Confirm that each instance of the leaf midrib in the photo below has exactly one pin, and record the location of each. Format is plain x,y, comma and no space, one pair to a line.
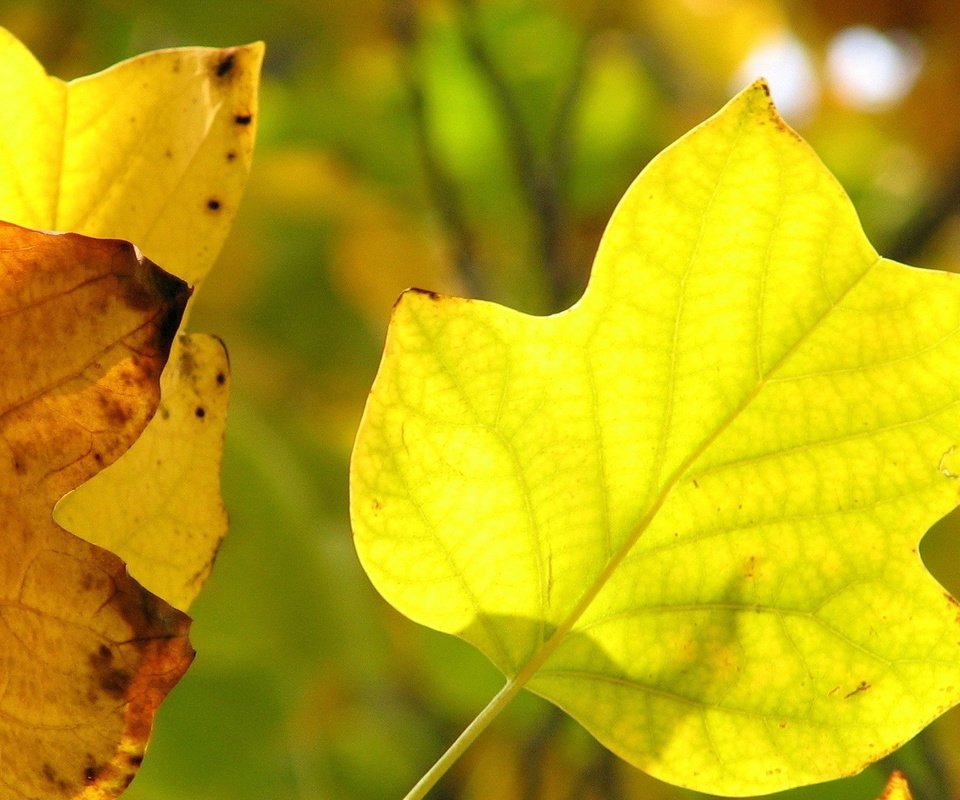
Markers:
532,666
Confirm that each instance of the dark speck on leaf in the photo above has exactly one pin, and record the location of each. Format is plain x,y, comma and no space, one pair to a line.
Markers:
225,65
426,293
200,412
221,379
231,155
243,119
213,204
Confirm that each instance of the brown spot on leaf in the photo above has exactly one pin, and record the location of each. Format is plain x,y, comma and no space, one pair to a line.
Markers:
243,119
213,204
115,413
200,412
110,679
225,65
50,776
231,155
861,687
91,770
427,293
221,379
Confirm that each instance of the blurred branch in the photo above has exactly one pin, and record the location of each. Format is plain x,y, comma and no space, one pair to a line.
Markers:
603,776
917,233
534,753
559,157
439,183
540,184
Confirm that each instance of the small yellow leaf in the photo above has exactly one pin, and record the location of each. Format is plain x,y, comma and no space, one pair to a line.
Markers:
88,654
164,512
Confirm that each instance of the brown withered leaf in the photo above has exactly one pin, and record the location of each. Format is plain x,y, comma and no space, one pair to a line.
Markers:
87,654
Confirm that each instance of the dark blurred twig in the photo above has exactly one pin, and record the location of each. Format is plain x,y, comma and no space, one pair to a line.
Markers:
540,183
534,752
917,233
603,776
559,159
439,183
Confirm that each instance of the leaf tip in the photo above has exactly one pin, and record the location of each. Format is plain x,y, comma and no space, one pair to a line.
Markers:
427,294
229,63
758,99
417,296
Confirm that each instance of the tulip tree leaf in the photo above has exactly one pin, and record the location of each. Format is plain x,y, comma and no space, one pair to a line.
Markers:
155,150
163,520
687,509
88,654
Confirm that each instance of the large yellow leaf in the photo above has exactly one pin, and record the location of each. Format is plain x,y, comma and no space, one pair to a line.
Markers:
87,653
687,509
155,150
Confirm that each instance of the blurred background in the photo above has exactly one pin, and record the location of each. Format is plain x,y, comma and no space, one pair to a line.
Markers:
474,147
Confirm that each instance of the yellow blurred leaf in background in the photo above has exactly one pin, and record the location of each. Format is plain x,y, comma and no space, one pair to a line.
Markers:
897,788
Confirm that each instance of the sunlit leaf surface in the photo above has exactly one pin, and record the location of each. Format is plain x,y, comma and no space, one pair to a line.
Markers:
687,510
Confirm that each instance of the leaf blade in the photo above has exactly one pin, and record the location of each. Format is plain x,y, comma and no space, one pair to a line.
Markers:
86,325
514,477
155,150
